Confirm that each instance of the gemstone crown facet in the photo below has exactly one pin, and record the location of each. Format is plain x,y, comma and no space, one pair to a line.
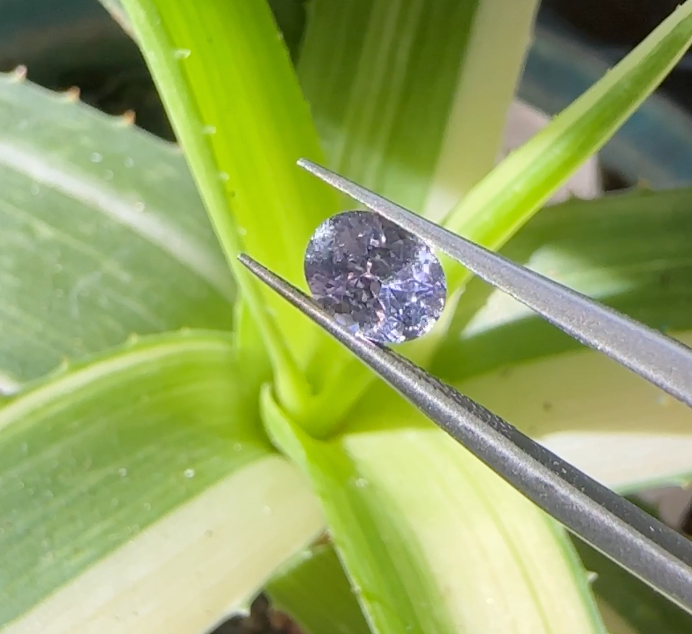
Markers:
377,279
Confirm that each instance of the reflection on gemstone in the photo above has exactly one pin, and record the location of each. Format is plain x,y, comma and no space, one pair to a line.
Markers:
377,279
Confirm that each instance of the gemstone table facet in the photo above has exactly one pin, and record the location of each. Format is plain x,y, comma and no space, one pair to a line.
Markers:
377,279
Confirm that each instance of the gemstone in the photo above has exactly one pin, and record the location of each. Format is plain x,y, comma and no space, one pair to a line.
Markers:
375,278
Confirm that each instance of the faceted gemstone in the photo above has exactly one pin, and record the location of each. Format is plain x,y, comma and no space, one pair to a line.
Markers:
377,279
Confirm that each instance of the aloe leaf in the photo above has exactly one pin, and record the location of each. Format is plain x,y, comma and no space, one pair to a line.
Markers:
112,471
431,539
393,86
492,65
103,235
394,89
503,201
314,591
628,250
289,15
597,415
290,18
228,85
186,572
627,605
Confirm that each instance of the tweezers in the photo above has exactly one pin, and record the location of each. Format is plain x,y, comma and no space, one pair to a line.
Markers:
619,529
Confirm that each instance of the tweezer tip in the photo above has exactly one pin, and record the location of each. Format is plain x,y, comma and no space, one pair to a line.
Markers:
312,167
250,264
261,272
246,260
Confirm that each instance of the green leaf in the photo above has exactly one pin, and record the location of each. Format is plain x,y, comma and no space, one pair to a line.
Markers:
493,61
628,250
597,415
103,235
500,204
93,457
394,86
289,15
643,609
395,89
314,591
431,539
190,568
290,18
380,77
227,82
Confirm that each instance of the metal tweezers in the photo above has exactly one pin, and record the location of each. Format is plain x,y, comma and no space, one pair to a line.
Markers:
649,549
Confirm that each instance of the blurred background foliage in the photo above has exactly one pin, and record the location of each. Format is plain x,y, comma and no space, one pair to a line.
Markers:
67,43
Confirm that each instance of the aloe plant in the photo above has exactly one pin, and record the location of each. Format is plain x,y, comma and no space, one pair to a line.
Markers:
174,439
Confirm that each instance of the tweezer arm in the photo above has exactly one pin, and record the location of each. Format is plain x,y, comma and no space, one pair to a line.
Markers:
641,544
655,357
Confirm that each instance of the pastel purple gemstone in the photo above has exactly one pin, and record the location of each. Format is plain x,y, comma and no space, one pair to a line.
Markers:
377,279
